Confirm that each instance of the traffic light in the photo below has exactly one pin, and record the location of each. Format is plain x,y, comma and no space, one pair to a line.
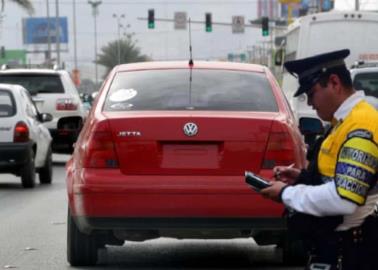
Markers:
208,23
151,19
265,26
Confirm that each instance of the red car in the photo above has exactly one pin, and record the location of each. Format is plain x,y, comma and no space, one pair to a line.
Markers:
164,151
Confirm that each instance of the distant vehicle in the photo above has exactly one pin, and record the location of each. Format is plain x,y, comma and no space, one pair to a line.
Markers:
25,144
324,32
53,92
87,101
365,77
164,151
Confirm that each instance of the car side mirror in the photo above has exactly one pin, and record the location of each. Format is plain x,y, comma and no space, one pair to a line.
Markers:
311,126
45,117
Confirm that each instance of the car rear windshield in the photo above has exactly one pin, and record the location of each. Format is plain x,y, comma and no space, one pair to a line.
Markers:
7,106
35,83
367,82
183,89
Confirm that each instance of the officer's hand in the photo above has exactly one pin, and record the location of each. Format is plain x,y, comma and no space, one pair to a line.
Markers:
286,174
273,191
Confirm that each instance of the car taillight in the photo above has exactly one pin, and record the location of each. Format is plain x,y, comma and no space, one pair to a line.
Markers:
21,132
280,148
100,150
66,104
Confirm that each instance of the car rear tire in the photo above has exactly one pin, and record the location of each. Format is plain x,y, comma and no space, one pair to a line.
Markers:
28,171
81,247
46,172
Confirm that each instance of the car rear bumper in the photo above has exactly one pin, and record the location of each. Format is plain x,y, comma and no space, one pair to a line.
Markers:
174,224
13,155
108,194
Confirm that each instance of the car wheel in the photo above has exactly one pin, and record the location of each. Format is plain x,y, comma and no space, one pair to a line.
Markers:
81,248
45,173
28,171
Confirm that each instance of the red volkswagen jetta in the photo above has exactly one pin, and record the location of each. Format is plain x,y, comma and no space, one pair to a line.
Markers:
164,150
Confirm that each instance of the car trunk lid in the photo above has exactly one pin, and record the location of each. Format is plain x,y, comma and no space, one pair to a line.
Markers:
223,145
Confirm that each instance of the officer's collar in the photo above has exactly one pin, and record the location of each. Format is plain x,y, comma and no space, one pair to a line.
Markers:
348,104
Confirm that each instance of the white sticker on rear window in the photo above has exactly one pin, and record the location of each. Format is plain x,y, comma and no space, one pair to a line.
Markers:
121,106
122,95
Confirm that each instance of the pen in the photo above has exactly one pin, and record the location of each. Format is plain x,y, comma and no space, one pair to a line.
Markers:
278,172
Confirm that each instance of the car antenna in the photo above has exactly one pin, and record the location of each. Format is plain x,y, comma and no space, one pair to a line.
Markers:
190,44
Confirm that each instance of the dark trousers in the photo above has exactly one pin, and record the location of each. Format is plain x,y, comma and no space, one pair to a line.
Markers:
355,249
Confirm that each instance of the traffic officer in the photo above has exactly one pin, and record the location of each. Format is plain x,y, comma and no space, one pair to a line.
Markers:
336,196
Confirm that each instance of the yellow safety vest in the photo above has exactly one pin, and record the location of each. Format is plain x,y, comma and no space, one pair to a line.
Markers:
349,155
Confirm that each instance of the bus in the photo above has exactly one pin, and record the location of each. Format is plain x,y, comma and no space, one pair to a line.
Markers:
323,32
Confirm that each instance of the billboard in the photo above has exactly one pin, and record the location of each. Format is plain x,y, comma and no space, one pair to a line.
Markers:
12,57
306,5
36,30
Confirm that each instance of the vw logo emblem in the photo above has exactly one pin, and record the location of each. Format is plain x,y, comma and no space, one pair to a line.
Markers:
190,129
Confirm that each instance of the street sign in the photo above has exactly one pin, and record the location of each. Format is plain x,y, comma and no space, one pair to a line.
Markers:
13,57
237,24
180,20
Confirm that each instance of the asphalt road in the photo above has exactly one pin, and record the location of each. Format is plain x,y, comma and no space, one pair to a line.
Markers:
33,237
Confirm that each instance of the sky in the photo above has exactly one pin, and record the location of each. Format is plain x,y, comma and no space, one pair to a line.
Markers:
161,43
350,4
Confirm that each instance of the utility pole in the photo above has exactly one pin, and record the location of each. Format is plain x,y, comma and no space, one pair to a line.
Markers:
357,5
74,33
95,4
48,58
119,25
57,33
320,8
313,7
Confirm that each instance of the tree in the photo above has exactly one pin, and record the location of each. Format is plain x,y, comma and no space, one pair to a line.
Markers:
120,51
25,4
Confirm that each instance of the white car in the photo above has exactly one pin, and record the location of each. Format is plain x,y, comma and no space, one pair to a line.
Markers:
53,92
365,77
25,143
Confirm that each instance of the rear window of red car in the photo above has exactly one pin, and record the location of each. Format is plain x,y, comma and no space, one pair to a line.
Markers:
183,89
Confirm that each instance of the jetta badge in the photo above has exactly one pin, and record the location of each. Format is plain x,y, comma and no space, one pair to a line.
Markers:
190,129
129,133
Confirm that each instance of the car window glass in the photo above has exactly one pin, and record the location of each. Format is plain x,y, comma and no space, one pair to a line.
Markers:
35,83
367,82
30,106
202,89
7,105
